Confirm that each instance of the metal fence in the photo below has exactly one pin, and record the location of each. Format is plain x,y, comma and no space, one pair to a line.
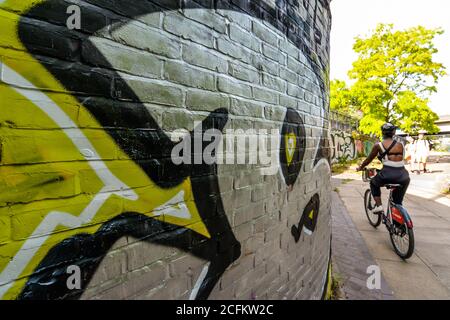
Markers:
343,122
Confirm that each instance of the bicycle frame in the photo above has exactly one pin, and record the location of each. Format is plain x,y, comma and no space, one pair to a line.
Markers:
368,174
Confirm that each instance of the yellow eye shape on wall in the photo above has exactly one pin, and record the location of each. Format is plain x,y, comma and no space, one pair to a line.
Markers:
291,144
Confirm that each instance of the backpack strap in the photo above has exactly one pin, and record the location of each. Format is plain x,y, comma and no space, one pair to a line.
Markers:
386,152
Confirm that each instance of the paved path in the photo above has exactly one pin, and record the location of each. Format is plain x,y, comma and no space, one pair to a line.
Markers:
427,274
351,257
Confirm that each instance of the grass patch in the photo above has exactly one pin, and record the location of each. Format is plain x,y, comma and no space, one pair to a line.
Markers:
336,285
446,189
444,185
339,168
344,165
350,165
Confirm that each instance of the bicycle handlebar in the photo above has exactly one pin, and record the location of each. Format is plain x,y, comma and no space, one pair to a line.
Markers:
369,173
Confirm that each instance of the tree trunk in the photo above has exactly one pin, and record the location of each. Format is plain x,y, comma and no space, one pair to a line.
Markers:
388,111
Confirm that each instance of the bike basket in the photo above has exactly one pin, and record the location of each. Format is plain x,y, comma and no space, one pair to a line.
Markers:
369,174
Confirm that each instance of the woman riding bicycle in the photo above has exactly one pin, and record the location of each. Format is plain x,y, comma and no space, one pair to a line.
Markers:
391,153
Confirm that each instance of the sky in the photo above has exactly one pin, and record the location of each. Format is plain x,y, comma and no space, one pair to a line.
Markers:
352,18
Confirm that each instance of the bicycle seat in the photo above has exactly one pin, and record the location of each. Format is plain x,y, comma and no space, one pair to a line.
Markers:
392,186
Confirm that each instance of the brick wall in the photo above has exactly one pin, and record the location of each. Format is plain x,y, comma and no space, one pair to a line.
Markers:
86,178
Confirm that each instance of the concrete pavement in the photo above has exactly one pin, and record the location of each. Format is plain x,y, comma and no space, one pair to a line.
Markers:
351,257
427,274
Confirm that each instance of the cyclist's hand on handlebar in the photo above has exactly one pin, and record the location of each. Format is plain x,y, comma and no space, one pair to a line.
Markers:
359,169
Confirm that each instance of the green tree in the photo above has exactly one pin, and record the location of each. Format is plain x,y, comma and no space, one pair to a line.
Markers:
395,74
341,98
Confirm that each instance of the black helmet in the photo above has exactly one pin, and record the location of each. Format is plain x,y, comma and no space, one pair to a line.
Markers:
388,129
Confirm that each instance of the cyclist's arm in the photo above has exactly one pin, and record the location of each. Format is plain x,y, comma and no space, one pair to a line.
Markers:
373,154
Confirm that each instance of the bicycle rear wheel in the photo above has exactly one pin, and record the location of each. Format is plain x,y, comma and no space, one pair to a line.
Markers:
369,204
402,239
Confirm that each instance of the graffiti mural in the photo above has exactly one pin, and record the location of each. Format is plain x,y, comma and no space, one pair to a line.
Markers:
86,135
368,146
359,145
308,220
343,146
364,146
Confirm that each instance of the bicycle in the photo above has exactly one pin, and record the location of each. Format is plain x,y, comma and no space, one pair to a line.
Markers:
396,219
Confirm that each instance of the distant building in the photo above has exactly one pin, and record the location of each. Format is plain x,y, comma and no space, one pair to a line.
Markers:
444,124
444,127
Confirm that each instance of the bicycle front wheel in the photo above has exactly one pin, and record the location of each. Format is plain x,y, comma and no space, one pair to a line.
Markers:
369,204
402,239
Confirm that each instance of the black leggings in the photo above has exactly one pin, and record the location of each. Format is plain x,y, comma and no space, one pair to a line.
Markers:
391,175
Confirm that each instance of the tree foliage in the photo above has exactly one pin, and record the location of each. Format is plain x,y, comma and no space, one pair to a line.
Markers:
341,97
394,76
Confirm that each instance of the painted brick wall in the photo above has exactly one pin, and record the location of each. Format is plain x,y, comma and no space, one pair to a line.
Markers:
86,178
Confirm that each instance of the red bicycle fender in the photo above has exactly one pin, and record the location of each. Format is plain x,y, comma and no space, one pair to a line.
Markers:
404,216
